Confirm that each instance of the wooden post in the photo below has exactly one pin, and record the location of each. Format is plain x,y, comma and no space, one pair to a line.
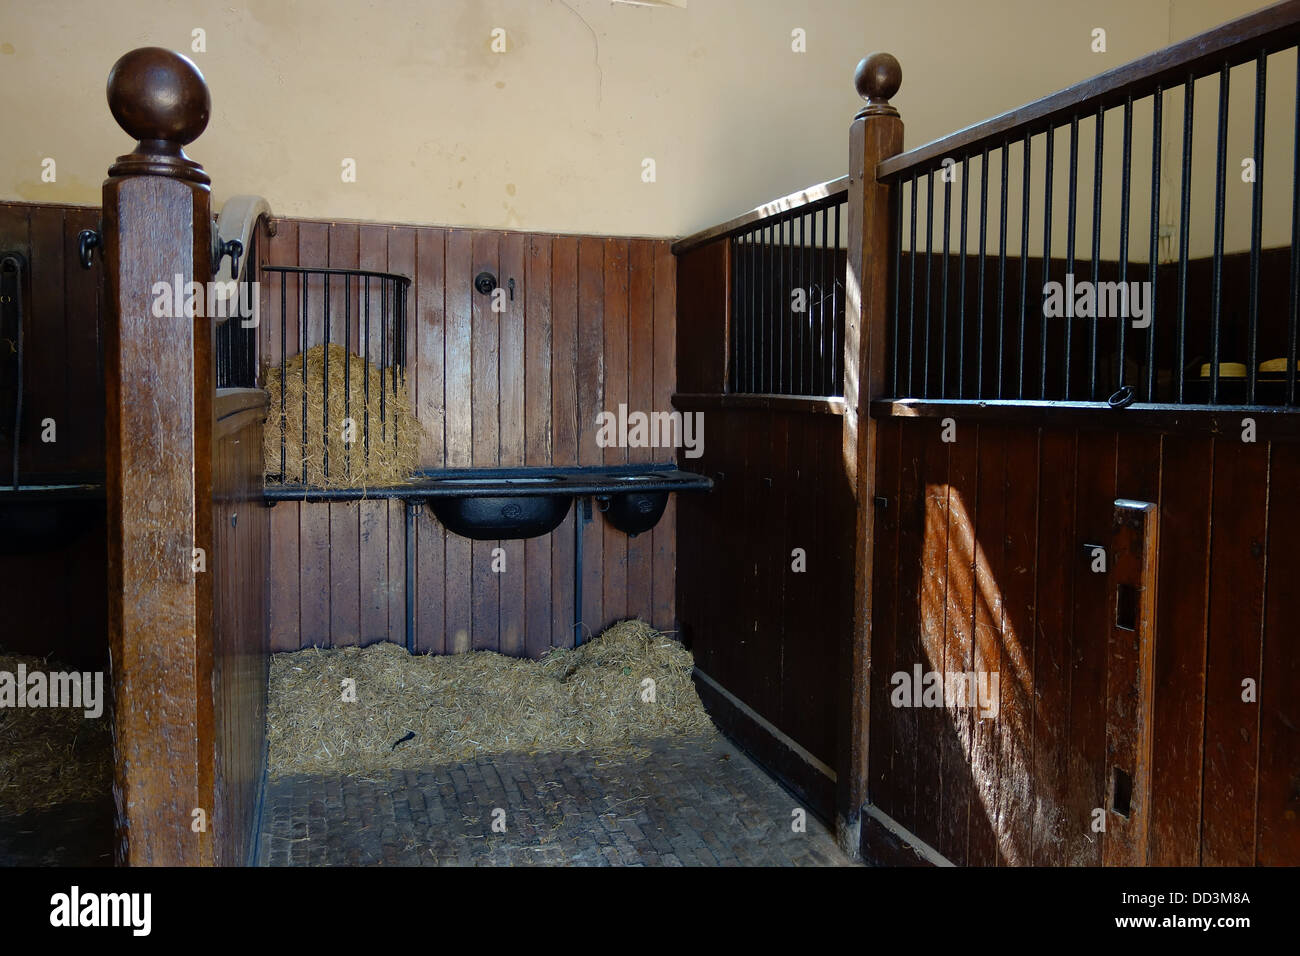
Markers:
159,383
876,135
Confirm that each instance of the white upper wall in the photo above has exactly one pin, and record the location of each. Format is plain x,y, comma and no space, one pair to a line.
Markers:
551,134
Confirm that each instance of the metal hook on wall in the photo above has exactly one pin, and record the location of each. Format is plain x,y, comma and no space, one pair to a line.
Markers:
88,240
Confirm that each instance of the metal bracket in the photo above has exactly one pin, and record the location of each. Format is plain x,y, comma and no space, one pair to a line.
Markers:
88,240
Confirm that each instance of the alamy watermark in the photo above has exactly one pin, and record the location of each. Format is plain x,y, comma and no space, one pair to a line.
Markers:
1098,300
216,300
623,429
956,689
79,691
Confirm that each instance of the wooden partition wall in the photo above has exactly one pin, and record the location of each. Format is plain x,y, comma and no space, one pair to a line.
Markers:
187,536
768,637
590,326
986,562
63,380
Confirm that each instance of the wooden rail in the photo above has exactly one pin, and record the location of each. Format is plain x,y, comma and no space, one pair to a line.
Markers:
811,198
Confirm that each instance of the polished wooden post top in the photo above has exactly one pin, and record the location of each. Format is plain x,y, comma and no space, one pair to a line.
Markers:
160,98
877,79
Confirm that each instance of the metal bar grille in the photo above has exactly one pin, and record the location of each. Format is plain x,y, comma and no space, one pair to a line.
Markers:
787,303
387,354
1159,297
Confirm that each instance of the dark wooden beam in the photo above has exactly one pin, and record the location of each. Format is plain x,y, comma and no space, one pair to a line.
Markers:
1269,424
876,134
159,395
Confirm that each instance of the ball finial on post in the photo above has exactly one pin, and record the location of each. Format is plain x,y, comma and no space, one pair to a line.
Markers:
160,98
877,79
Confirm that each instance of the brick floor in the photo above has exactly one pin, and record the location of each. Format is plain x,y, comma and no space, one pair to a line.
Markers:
692,802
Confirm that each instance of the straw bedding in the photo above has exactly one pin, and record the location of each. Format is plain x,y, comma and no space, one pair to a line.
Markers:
394,453
461,706
51,755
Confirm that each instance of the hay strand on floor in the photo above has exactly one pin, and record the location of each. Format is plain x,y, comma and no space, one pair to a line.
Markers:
394,451
51,755
461,706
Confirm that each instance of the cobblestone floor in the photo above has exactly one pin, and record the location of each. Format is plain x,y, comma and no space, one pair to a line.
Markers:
692,802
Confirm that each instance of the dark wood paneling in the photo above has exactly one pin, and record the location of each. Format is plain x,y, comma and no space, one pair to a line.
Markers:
1233,653
1187,483
537,612
1086,772
664,339
701,340
315,586
1074,702
241,611
958,644
988,651
1052,823
1277,841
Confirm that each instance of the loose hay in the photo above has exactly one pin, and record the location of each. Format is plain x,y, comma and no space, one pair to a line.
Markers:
394,451
461,706
51,755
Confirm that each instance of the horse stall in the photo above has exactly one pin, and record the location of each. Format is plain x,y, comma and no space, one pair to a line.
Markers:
403,544
1018,574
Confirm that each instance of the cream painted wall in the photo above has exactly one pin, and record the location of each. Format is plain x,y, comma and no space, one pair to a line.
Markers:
551,134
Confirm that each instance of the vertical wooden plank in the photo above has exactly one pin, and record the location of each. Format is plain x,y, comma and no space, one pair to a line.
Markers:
401,260
1052,674
1278,839
884,615
427,343
961,702
665,383
344,516
83,429
429,311
1178,723
614,541
1016,683
485,412
1233,652
640,397
15,234
1087,773
431,586
513,370
933,612
315,586
908,655
45,367
564,424
990,525
773,555
591,393
373,516
754,661
459,426
286,633
537,437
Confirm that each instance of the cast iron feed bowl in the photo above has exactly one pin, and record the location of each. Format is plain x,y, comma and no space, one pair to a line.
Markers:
495,516
633,512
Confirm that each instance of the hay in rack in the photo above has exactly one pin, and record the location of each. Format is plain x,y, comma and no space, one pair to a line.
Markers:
394,433
461,706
